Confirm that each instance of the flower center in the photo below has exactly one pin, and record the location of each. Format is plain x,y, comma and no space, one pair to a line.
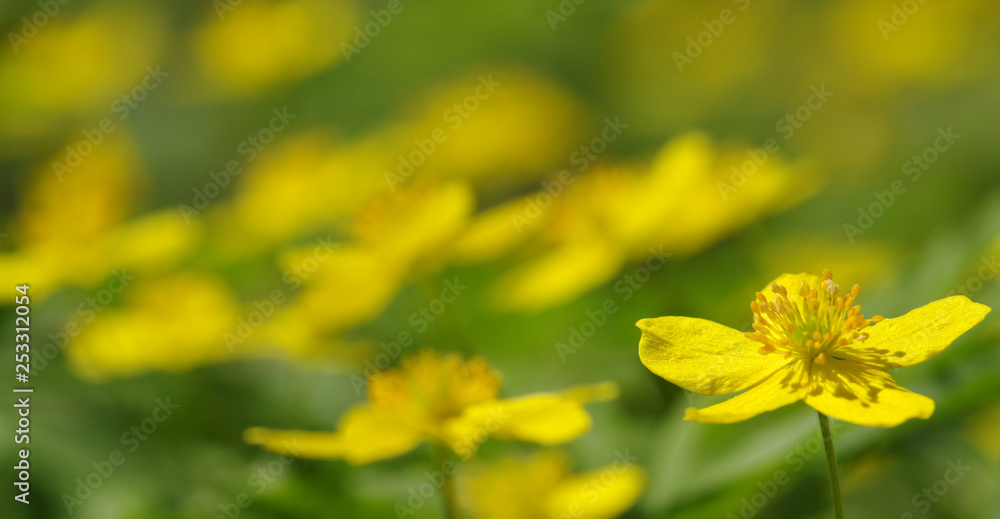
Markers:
435,385
811,323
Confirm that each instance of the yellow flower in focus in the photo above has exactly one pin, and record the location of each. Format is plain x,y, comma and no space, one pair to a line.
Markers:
443,399
542,487
259,44
809,343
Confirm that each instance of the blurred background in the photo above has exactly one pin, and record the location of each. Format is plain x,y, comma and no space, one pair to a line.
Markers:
226,211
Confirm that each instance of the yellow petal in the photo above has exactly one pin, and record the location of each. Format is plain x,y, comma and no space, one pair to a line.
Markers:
785,386
598,494
495,232
918,335
542,418
365,435
545,419
702,356
513,487
560,275
863,395
289,40
302,444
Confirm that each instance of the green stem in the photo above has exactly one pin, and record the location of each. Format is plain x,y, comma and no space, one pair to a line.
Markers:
831,463
445,467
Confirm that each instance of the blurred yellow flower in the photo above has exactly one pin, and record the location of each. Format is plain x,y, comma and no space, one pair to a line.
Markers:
809,344
864,262
304,184
81,214
543,487
588,228
247,48
909,43
496,129
443,399
169,324
77,66
661,52
396,236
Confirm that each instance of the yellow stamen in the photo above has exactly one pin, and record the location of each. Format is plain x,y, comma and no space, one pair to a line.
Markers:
811,323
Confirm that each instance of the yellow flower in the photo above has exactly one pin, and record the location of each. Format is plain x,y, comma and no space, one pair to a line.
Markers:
306,183
76,67
542,486
598,222
443,399
396,236
498,130
261,44
83,215
809,343
170,324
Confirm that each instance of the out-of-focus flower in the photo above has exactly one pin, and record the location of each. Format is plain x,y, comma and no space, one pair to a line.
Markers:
76,65
543,486
442,399
303,185
683,202
983,432
396,236
809,344
899,47
258,44
168,324
496,129
865,262
71,228
664,65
